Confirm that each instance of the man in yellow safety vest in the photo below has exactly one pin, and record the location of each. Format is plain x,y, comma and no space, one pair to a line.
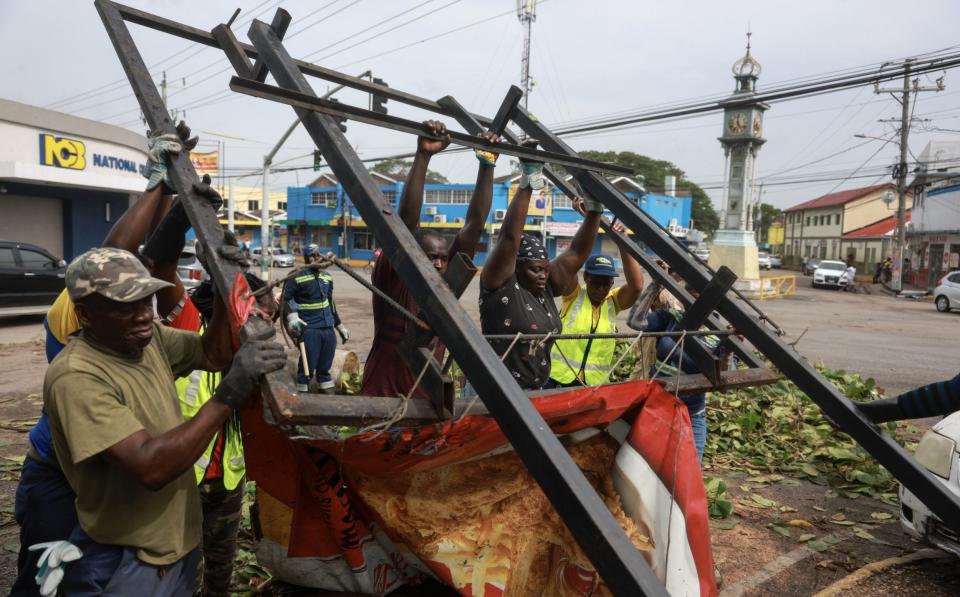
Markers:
591,308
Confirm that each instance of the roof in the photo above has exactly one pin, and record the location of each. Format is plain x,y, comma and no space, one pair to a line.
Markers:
877,229
329,179
841,198
50,120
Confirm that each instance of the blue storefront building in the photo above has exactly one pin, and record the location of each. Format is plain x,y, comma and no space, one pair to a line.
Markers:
315,214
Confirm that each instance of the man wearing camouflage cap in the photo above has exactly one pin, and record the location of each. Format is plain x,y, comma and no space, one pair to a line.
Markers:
118,432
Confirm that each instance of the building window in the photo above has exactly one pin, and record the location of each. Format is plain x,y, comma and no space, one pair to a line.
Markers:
282,205
363,240
253,205
390,197
447,196
324,199
838,220
808,220
561,201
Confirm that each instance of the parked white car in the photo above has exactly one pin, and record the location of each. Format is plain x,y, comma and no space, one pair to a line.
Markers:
776,261
830,274
703,254
764,259
937,452
947,293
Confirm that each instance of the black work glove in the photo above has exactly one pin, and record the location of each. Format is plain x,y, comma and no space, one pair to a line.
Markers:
183,132
883,410
258,355
168,239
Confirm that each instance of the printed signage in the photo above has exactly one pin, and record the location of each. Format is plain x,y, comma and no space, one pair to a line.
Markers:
63,152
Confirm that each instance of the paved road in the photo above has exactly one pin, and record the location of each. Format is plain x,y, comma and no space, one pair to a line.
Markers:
900,343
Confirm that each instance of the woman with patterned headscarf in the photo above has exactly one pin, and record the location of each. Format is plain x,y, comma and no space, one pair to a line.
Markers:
519,282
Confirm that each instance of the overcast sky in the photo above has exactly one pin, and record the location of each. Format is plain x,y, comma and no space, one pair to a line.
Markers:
589,59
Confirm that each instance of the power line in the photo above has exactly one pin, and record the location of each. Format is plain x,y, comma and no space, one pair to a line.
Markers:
121,83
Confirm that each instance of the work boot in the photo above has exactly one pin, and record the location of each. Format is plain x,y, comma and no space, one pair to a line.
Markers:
328,390
302,387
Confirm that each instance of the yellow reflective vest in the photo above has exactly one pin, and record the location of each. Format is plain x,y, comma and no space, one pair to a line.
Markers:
194,391
567,355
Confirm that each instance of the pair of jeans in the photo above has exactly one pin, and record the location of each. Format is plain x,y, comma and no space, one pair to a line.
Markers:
698,421
44,509
116,570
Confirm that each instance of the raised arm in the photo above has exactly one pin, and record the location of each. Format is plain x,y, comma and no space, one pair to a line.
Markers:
565,266
502,261
479,206
631,271
412,198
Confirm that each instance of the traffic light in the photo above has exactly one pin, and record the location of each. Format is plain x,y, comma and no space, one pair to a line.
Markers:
316,160
379,101
341,122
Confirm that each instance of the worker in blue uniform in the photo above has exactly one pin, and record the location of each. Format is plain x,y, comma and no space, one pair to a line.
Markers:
312,318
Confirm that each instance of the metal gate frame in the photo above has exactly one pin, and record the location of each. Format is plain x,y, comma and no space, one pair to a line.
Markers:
618,562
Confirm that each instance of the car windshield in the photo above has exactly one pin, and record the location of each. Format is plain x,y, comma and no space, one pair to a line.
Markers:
763,256
832,265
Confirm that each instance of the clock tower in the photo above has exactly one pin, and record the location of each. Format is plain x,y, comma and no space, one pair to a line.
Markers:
734,244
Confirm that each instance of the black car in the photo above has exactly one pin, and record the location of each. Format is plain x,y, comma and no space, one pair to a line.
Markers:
30,278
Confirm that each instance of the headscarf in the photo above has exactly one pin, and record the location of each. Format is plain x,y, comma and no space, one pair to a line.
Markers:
531,249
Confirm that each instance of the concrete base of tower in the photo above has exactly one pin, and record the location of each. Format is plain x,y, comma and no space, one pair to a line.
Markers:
737,250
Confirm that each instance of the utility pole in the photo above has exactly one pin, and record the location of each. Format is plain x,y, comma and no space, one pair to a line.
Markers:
527,13
900,171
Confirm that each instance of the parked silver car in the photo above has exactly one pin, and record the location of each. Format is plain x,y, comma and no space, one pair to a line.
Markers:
189,270
278,257
776,261
947,293
810,266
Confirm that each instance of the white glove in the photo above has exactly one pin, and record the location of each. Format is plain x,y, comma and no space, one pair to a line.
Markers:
295,323
532,175
344,332
591,204
50,566
158,147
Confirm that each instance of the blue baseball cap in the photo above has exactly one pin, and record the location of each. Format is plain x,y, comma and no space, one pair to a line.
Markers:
600,265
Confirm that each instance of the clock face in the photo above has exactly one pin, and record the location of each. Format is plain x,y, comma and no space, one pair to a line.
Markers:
737,123
756,125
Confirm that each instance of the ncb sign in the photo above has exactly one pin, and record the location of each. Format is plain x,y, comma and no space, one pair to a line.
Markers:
62,152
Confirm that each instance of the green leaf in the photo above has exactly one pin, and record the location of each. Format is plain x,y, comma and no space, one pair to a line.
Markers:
809,470
862,533
806,537
780,530
724,525
818,546
762,501
881,515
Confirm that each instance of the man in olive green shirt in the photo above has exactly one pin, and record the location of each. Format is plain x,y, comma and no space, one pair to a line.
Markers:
118,432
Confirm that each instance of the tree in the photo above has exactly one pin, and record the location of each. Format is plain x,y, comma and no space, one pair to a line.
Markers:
653,171
398,169
767,214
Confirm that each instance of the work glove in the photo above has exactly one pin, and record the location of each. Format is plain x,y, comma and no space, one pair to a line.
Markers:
531,172
485,156
591,204
158,147
295,324
258,355
50,569
344,332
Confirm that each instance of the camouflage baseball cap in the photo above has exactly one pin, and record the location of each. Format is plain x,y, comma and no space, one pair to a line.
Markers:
114,273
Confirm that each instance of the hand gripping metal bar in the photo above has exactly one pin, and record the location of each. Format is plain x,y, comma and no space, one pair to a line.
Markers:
619,563
837,406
